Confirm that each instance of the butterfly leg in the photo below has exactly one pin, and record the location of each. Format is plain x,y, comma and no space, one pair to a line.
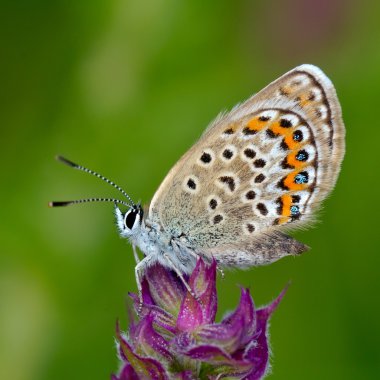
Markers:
179,274
139,269
135,254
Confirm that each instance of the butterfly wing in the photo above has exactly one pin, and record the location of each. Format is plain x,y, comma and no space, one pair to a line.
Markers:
256,171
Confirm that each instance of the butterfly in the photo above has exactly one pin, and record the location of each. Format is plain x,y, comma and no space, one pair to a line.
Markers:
256,172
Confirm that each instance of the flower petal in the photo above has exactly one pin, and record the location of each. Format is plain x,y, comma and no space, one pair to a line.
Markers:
205,288
190,315
145,368
151,344
258,354
161,318
127,373
228,337
211,354
202,309
218,362
244,314
165,288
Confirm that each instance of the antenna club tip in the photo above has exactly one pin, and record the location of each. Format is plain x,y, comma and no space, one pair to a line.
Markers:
59,204
65,161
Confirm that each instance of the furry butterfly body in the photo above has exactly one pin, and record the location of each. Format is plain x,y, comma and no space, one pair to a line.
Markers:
256,172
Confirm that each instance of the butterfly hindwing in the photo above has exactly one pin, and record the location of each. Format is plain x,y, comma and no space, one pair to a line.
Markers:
262,167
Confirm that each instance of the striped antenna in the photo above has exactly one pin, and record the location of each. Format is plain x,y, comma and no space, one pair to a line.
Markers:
68,203
80,167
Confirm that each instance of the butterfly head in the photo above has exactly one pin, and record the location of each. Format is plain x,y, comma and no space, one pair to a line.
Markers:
129,223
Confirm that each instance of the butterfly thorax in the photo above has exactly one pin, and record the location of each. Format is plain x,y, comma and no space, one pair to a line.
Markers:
155,243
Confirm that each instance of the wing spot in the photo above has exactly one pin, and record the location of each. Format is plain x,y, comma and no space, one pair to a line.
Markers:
301,178
213,204
191,184
259,163
285,123
284,145
206,158
250,195
281,184
296,198
298,136
262,208
229,181
271,134
228,154
302,155
260,178
249,153
250,228
285,165
217,219
249,132
294,210
229,131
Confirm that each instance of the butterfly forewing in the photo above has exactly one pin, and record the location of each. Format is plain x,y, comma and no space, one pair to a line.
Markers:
262,167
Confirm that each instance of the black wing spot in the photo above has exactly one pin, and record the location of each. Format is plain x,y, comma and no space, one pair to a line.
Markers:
217,219
284,145
229,181
285,123
229,131
250,228
206,158
250,195
296,198
248,132
227,153
271,134
249,153
281,184
213,204
191,184
259,163
260,178
262,208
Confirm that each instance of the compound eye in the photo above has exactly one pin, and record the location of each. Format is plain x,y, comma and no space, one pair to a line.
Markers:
130,218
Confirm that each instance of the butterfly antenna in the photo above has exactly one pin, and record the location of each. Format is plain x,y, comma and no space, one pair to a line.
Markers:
68,203
80,167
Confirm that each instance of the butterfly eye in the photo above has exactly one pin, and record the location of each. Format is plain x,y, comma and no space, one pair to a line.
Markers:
130,217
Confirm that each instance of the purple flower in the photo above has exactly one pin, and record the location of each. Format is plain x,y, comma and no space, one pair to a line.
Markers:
176,337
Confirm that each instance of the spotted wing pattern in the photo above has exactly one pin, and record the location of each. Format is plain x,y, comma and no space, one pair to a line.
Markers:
257,170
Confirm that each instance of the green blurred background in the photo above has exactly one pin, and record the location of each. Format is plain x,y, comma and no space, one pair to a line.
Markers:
126,87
